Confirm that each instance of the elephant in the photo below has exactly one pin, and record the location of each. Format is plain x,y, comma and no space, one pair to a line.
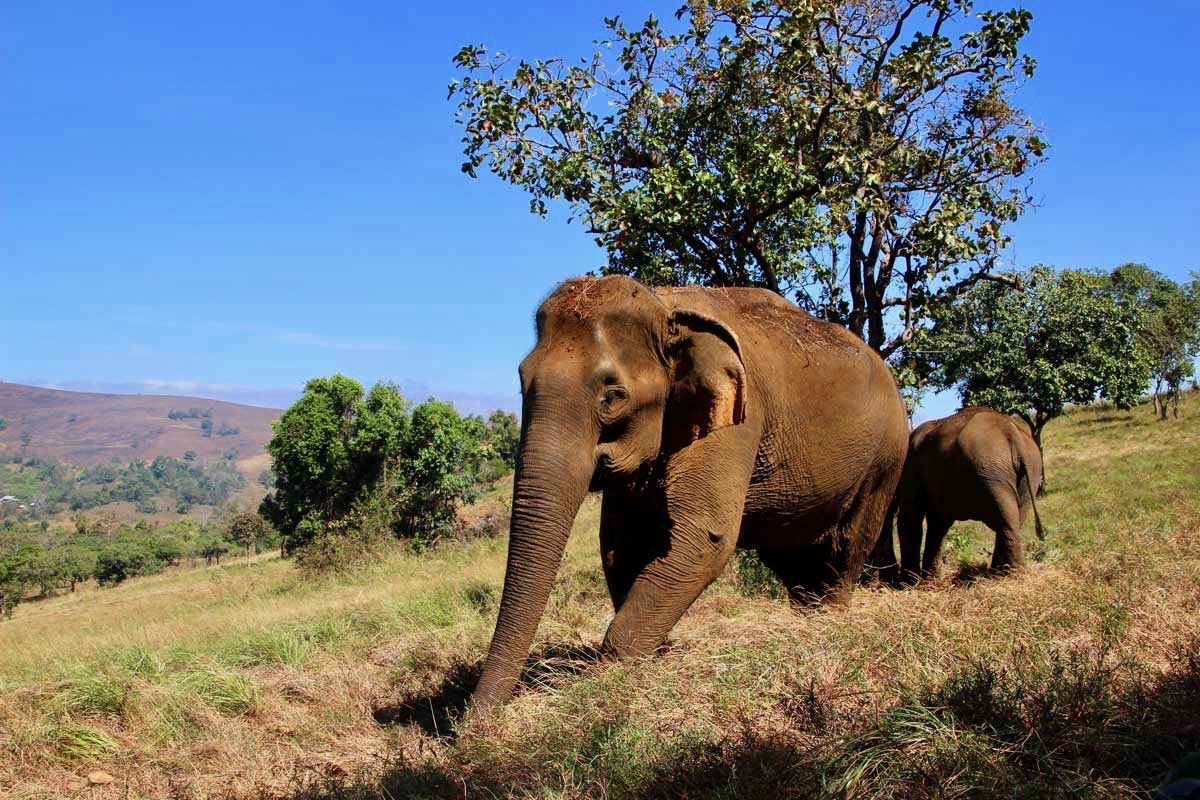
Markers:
977,464
710,419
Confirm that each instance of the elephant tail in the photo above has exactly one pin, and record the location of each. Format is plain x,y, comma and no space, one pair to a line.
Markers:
1023,476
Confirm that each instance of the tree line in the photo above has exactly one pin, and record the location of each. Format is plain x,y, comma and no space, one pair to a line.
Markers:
49,486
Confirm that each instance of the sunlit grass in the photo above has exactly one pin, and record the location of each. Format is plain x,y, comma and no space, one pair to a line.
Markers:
1072,679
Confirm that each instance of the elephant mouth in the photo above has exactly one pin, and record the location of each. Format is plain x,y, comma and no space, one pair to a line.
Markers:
602,473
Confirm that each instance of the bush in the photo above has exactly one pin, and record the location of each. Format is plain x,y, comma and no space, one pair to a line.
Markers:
123,560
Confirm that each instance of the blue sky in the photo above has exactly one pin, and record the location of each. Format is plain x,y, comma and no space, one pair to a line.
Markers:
227,199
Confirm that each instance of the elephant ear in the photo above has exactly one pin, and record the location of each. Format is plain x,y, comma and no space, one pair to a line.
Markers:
709,386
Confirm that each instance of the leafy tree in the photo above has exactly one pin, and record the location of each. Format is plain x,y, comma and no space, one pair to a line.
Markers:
314,458
3,424
246,529
206,428
504,435
1169,332
853,154
439,470
78,563
121,560
211,548
1063,338
266,478
380,429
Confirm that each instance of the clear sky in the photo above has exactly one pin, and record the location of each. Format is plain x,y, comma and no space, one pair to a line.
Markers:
227,199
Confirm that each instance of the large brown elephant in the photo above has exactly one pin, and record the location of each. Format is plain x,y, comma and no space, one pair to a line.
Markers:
711,419
977,464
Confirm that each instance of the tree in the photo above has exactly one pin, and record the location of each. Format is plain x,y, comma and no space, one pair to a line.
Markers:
439,470
329,447
246,529
504,435
3,424
122,560
206,428
849,153
1169,332
78,563
1062,338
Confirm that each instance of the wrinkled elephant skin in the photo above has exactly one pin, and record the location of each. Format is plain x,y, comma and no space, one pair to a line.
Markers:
710,419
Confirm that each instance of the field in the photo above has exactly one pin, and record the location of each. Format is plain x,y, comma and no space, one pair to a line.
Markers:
1077,678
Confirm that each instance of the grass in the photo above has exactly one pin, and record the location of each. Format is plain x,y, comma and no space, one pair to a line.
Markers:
1078,678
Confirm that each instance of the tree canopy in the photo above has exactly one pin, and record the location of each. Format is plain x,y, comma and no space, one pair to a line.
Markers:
325,449
1169,331
1062,338
343,461
859,156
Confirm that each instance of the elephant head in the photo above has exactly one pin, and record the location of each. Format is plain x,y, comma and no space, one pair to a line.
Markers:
616,380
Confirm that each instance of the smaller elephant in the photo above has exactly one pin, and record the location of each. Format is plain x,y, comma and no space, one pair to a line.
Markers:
979,465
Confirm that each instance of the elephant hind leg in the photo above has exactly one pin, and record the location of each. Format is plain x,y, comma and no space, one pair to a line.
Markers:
1008,554
828,570
935,535
810,574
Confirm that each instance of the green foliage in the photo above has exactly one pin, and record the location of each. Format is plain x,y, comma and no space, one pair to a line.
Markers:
439,470
350,467
53,486
504,436
3,424
309,453
206,428
856,155
191,413
248,530
1062,338
124,559
1169,332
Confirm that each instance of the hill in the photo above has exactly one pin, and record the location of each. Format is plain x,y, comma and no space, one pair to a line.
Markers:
1079,677
87,428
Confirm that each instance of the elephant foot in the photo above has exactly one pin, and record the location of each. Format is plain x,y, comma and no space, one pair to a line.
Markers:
887,574
1007,568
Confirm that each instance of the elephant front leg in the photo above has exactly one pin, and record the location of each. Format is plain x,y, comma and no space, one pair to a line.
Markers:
704,493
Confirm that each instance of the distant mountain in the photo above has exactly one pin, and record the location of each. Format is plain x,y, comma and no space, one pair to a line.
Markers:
90,428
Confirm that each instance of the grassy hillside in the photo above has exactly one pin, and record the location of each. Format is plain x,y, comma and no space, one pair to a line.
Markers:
1077,678
88,428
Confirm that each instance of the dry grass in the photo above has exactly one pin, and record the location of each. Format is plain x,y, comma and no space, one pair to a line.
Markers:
1077,678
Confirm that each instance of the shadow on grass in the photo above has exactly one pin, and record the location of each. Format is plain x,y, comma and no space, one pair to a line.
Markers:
1051,723
438,712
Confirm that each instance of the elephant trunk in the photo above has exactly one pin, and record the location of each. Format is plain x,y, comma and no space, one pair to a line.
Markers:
554,468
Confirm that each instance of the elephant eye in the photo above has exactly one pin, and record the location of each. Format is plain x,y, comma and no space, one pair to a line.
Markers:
614,396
